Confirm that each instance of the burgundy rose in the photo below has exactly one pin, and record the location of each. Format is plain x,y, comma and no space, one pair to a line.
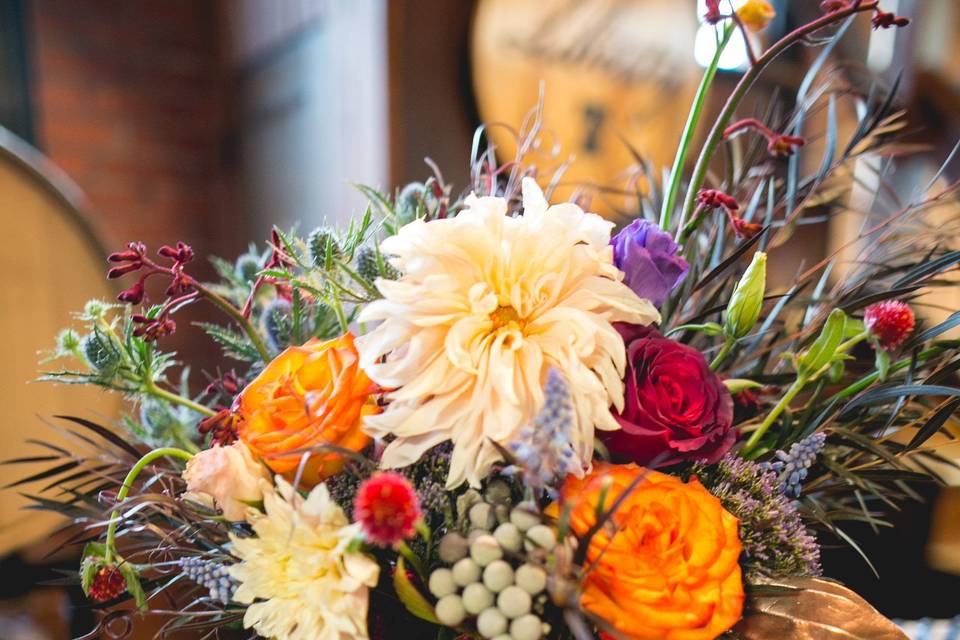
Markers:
675,407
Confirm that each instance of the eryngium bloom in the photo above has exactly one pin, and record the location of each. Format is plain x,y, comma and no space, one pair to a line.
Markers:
297,575
486,305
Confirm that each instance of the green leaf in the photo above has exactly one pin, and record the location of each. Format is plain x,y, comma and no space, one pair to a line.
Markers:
411,598
821,352
93,554
934,424
130,574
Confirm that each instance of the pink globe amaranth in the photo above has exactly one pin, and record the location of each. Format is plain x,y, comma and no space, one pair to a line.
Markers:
387,508
891,321
675,408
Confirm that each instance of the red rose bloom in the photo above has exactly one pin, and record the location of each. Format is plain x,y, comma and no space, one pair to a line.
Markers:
675,407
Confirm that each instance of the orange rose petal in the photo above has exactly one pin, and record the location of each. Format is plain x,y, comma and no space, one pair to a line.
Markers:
308,396
670,569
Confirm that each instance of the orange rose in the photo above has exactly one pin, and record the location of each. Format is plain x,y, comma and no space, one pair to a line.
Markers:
669,570
308,396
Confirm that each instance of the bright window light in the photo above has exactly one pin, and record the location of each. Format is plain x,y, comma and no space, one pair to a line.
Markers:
705,45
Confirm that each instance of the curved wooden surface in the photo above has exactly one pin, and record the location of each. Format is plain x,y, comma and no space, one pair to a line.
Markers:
51,264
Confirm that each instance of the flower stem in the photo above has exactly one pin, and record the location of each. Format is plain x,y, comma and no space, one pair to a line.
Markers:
415,562
728,344
238,317
785,401
173,398
746,82
689,130
125,489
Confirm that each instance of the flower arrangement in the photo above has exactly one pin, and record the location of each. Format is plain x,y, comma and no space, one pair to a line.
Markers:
489,416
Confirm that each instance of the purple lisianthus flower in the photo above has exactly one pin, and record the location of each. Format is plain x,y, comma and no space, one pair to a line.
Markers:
648,257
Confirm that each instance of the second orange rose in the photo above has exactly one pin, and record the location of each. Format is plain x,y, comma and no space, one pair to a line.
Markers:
308,396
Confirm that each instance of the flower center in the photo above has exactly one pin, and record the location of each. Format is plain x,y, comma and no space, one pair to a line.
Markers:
504,316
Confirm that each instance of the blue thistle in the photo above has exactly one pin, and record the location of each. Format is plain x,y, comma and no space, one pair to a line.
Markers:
213,576
543,452
277,323
793,465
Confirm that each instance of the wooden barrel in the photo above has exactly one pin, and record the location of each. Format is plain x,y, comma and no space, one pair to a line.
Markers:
51,264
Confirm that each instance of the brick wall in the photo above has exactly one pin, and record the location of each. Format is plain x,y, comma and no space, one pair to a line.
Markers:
130,102
128,95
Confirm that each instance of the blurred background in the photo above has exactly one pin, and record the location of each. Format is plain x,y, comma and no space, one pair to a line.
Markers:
209,121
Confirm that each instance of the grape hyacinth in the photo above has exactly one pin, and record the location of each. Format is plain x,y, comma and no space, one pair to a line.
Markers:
776,543
792,465
213,576
543,453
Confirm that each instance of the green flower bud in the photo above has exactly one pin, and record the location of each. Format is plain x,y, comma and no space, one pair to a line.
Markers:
368,268
317,243
100,354
277,323
247,267
745,304
68,341
95,309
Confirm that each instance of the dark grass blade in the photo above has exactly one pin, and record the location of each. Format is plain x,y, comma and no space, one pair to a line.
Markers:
104,433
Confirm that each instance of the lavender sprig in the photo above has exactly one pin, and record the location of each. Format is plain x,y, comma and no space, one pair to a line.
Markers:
544,455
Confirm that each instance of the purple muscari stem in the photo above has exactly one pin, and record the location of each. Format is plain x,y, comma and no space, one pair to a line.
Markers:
544,456
792,465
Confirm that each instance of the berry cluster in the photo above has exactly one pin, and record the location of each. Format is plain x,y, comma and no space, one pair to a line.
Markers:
492,582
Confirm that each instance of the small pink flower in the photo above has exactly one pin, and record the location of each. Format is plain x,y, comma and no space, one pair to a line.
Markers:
229,475
891,321
387,508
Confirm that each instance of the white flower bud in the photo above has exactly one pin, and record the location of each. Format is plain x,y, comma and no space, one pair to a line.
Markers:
524,516
476,598
442,583
498,575
540,537
485,549
509,537
514,602
453,547
482,516
476,533
526,627
531,579
466,572
450,611
491,623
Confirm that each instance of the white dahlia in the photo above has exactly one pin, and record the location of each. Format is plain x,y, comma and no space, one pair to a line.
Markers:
486,305
296,574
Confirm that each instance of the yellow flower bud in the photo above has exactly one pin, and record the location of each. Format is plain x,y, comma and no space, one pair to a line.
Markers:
756,14
747,299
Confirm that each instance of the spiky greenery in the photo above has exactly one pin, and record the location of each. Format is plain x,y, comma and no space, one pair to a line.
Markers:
878,412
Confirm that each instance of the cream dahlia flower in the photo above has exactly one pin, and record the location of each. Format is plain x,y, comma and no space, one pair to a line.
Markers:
486,305
296,574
